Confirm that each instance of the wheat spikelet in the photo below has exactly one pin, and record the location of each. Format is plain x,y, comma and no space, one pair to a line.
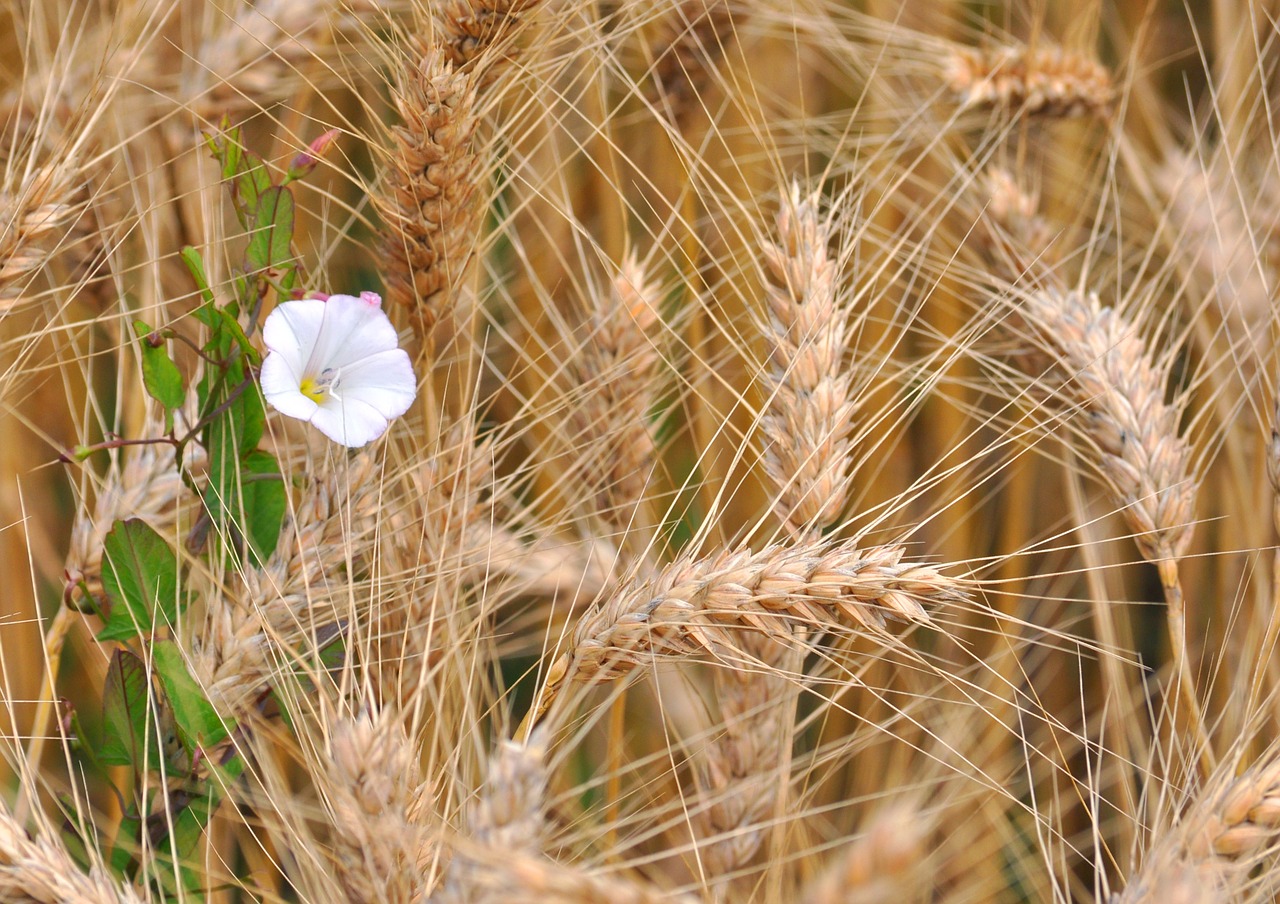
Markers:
505,818
609,427
474,33
432,213
372,791
1015,233
40,871
1050,81
1225,833
882,865
809,425
701,605
1113,378
35,209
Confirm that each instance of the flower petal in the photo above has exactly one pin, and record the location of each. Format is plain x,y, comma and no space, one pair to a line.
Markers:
352,330
281,388
384,381
351,423
292,329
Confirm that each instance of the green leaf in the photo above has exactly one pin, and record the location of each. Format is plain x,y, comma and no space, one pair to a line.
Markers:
269,246
126,710
195,265
140,577
160,376
265,501
199,725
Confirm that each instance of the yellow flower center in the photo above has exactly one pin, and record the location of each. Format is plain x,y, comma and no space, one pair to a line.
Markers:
319,387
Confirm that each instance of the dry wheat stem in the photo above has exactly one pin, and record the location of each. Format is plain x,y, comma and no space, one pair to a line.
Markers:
1029,80
702,605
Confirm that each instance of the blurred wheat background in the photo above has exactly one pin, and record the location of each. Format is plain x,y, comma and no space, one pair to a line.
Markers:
844,466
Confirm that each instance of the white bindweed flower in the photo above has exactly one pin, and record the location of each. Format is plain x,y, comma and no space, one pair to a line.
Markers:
338,365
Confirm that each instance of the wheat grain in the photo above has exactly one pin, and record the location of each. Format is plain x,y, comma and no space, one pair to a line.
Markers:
881,865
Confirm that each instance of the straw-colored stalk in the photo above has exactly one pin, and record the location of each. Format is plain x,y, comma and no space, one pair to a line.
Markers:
1224,835
1049,81
39,870
615,376
299,596
701,606
506,817
1111,376
374,794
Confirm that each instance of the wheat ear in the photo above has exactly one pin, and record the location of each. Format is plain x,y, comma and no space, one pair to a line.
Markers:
807,430
702,605
506,817
1050,81
1221,838
372,790
433,213
40,871
691,43
881,867
1145,460
36,208
610,429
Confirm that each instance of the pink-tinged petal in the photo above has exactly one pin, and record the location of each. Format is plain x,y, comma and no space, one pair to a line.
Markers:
352,424
385,381
352,330
280,387
291,330
371,298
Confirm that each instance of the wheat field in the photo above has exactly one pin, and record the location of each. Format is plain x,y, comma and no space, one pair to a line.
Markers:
843,462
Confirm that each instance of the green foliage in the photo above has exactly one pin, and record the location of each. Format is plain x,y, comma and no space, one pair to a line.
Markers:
140,577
